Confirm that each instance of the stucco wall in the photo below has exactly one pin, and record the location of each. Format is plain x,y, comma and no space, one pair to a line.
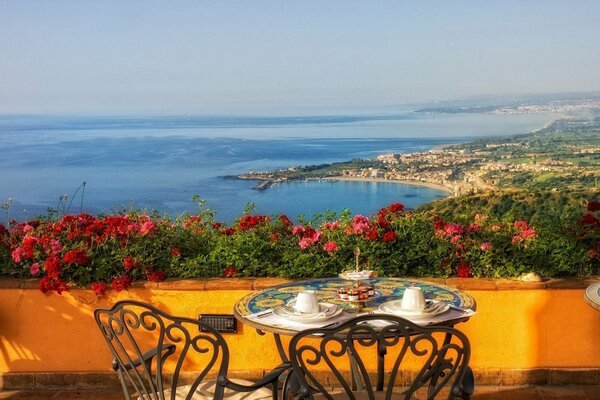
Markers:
519,326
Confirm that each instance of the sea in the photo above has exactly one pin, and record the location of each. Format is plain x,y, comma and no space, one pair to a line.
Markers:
160,163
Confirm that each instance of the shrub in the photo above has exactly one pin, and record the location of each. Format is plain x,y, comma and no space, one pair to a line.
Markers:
110,252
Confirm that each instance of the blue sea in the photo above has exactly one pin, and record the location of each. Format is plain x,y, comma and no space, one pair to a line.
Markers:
159,163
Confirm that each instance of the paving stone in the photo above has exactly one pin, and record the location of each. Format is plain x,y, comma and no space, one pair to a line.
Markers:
578,376
516,377
592,392
562,392
514,393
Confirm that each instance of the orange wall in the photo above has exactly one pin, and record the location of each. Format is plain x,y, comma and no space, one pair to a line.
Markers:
513,329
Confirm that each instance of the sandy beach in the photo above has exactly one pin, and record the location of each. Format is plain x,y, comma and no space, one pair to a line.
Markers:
382,180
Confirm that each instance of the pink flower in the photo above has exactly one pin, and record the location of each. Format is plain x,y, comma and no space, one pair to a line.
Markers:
35,269
485,246
521,225
529,234
16,254
331,226
455,229
298,230
55,246
304,243
455,239
360,224
27,228
330,247
148,228
474,228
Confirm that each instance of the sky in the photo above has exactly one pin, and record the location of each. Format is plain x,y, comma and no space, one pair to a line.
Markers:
225,57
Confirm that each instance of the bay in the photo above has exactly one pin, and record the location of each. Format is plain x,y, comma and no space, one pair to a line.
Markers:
159,163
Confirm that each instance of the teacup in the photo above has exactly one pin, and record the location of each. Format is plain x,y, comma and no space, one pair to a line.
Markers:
413,299
307,302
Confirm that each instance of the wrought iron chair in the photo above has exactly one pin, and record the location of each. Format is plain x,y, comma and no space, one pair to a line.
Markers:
151,349
331,363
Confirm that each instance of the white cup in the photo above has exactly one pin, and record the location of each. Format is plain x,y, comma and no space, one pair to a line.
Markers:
413,299
307,302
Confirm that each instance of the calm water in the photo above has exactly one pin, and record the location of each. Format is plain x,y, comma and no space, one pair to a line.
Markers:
159,163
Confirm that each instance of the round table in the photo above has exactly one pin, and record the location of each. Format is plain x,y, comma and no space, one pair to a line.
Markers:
327,288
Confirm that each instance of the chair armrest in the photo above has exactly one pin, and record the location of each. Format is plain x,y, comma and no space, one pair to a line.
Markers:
146,357
269,378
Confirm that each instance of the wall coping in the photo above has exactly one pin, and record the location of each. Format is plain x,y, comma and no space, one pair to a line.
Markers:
262,283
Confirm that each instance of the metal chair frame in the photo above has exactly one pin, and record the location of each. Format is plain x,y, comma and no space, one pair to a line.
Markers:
176,337
443,359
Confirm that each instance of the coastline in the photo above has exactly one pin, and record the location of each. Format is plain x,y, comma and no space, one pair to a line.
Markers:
435,186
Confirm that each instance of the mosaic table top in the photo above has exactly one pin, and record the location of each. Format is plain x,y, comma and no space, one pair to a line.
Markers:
326,289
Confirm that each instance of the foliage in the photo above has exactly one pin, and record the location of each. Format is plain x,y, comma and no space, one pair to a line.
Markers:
112,251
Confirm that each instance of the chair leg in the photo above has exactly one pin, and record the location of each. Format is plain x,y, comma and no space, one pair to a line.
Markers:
466,387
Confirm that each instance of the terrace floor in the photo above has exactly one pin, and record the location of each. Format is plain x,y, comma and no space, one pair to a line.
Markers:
584,392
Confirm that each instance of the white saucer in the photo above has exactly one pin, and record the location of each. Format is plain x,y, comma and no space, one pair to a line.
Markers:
356,275
433,308
326,311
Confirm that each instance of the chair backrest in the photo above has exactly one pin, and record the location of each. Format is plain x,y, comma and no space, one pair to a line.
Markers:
151,348
383,355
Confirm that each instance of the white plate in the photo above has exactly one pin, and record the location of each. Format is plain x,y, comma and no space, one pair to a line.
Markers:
356,275
326,311
434,308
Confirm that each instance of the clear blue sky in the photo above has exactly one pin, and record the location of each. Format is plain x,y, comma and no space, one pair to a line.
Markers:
255,56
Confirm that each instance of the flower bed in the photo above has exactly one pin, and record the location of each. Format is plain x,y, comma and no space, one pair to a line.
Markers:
110,252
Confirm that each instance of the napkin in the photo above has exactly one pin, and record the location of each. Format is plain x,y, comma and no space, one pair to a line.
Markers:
449,315
268,318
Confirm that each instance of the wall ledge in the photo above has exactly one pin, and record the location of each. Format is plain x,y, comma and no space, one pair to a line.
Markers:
261,283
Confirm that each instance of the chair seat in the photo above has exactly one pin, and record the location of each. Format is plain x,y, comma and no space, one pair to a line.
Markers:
206,391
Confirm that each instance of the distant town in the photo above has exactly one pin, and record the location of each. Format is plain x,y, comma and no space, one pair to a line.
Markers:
564,154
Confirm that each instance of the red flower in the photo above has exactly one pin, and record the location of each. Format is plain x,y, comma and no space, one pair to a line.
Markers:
100,288
371,234
389,236
247,222
593,206
463,270
175,252
330,247
230,272
156,276
76,257
228,231
439,224
274,237
130,263
47,284
396,207
121,282
589,219
217,225
285,220
52,266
